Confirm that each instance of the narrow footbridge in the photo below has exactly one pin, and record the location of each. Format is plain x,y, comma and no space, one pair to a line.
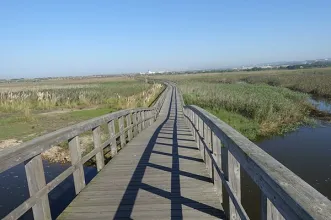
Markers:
169,161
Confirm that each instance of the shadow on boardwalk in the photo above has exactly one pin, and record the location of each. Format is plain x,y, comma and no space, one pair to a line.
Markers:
136,183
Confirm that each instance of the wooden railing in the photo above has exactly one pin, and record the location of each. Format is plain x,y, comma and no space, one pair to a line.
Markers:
136,120
283,194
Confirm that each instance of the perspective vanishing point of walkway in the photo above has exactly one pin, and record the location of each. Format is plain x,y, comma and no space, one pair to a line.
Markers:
158,175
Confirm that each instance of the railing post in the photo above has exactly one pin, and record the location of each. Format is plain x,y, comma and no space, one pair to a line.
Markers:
150,114
128,124
209,148
139,121
199,133
111,130
97,145
205,145
142,120
218,159
192,124
76,156
268,210
36,181
121,129
135,126
234,180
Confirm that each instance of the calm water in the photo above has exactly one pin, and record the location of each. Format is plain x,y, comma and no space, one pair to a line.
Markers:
321,104
306,152
14,190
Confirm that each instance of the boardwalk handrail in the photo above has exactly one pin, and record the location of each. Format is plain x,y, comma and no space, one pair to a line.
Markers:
283,194
30,152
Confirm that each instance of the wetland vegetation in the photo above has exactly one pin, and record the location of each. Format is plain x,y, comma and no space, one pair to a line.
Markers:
259,104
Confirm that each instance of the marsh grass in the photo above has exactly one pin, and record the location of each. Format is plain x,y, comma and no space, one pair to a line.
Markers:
255,110
119,94
25,115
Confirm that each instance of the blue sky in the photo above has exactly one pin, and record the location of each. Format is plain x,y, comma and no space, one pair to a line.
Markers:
58,38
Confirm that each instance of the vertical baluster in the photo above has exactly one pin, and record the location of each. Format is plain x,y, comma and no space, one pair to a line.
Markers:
199,133
111,130
268,210
121,129
150,115
192,124
205,139
218,159
97,145
135,127
210,148
76,156
202,139
36,181
128,124
234,179
139,121
142,120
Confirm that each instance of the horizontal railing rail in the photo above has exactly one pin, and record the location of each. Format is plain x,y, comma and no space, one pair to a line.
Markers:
129,123
283,194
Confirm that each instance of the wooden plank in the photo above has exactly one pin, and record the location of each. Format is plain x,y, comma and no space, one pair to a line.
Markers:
111,130
121,130
143,120
272,212
234,179
210,148
129,123
135,128
264,207
217,178
100,160
139,121
36,181
76,156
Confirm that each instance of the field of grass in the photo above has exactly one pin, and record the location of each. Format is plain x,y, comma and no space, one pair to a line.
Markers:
313,81
30,109
260,103
254,110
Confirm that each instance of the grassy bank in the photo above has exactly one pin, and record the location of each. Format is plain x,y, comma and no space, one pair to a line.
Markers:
34,110
255,110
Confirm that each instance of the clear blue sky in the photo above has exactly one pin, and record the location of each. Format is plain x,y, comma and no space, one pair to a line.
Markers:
39,38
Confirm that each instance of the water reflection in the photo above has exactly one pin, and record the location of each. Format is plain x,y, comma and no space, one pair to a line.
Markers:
306,152
321,104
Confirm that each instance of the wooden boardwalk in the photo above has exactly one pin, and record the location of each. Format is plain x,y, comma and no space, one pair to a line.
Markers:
158,175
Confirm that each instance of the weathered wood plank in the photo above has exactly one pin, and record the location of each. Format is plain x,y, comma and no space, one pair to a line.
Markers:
100,159
121,130
217,179
234,179
129,123
135,128
76,156
111,130
36,181
139,121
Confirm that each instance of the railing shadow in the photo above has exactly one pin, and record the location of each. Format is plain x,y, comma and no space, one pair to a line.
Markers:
129,198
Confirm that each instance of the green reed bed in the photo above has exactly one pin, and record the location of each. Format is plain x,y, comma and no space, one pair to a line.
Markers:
254,110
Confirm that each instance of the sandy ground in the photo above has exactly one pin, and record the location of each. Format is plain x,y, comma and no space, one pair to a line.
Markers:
55,154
